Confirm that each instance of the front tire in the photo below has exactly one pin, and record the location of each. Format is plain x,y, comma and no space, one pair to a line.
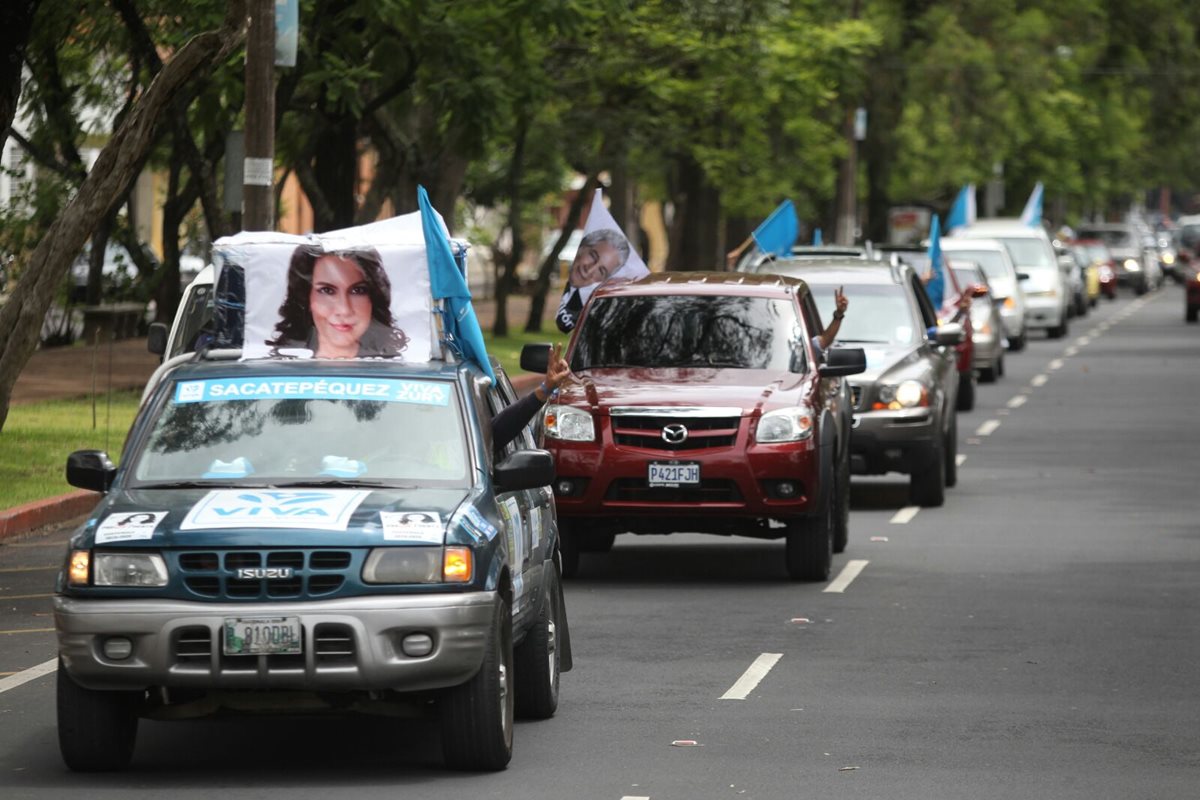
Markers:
841,512
809,550
1191,314
951,450
538,661
96,729
966,391
1017,343
477,717
927,485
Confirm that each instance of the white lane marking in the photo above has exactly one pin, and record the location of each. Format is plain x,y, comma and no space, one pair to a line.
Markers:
846,576
1017,401
752,676
905,514
1038,380
1056,364
1070,351
960,459
987,428
1083,341
634,797
25,676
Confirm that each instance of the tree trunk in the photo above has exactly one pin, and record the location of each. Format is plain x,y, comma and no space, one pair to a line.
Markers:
105,186
698,242
16,21
506,281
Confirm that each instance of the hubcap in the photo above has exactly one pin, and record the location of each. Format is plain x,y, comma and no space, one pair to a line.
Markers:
552,651
503,680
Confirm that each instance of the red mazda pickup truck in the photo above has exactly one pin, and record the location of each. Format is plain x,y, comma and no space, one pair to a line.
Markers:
703,405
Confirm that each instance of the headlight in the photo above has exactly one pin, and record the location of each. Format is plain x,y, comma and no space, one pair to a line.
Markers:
908,394
785,425
129,569
1132,265
403,565
1168,258
569,424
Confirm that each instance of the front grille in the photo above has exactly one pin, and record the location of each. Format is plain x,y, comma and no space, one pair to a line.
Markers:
193,644
636,490
646,432
333,643
212,575
197,649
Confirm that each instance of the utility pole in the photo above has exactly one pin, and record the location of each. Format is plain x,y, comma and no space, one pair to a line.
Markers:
259,165
847,212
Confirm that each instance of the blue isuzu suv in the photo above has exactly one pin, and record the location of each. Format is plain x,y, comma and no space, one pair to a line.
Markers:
313,535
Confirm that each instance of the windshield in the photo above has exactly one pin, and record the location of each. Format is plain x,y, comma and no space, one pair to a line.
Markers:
304,430
1092,253
879,314
687,331
1029,253
1118,237
991,261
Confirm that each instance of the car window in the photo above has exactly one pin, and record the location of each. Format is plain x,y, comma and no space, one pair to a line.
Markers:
1029,253
1189,236
687,331
876,314
992,261
1113,237
195,319
277,430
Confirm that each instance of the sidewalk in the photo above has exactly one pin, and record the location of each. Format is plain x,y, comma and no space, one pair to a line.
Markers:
63,372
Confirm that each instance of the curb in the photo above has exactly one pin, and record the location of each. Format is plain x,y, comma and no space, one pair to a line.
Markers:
50,511
57,510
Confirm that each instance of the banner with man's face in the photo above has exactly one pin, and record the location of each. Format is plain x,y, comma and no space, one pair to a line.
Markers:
604,254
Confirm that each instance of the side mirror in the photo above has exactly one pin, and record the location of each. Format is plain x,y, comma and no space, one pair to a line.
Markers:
1022,276
949,334
90,469
524,469
156,338
841,361
535,357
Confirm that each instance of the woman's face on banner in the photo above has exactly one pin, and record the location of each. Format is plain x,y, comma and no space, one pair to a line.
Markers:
594,263
341,306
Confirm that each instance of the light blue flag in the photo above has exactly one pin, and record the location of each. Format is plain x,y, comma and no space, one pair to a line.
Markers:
962,213
818,240
1032,215
448,284
936,286
777,233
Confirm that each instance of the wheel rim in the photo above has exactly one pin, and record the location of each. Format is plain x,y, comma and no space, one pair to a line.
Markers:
505,710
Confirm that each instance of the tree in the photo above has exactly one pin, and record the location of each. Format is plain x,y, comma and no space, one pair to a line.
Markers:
115,169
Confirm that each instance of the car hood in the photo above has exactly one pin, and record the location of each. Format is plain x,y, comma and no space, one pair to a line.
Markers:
747,389
884,358
252,517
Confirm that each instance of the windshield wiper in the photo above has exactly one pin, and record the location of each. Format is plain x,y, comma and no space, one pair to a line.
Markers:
214,484
343,482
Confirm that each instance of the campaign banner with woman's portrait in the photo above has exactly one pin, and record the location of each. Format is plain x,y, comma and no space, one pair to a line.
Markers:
358,293
604,254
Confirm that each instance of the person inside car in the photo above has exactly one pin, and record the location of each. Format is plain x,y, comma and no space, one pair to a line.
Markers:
827,337
509,423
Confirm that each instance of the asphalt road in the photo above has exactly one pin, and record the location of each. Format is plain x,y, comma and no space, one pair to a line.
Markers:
1035,637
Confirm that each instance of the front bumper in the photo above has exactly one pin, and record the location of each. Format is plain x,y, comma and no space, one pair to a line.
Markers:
892,441
1044,312
349,644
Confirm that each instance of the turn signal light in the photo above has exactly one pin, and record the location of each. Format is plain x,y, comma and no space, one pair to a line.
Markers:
457,565
79,568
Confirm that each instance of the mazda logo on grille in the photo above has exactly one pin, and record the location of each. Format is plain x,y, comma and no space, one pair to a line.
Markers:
674,434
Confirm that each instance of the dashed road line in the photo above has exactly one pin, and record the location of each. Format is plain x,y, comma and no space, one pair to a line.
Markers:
752,676
1017,402
1038,380
904,515
987,428
846,576
1083,341
1055,364
25,676
1070,351
960,459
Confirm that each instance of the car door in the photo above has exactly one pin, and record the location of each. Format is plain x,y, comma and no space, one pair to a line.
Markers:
943,358
834,393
